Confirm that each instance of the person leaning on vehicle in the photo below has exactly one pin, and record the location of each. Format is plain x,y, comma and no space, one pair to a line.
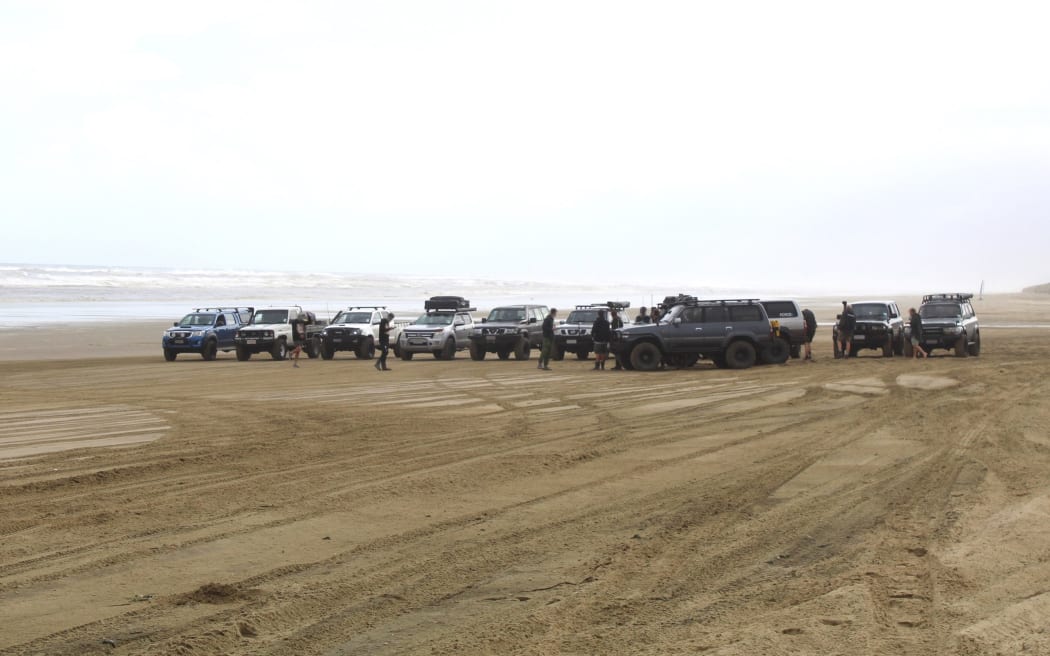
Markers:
615,324
915,321
847,324
601,333
809,324
548,339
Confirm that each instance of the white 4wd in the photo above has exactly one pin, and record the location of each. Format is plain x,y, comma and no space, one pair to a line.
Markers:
276,330
357,329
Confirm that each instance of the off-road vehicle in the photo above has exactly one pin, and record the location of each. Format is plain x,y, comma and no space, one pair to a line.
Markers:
276,330
206,331
880,326
731,333
948,322
443,329
509,329
574,334
357,329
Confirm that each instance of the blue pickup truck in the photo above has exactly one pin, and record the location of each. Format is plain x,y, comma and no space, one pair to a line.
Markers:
206,331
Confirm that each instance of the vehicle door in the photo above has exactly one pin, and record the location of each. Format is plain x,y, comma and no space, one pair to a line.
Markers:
460,330
746,320
712,332
896,321
686,331
374,322
224,329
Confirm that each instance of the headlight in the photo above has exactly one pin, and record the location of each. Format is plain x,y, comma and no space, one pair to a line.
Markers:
953,330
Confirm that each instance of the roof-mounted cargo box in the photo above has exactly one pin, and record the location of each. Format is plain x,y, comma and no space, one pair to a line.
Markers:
457,303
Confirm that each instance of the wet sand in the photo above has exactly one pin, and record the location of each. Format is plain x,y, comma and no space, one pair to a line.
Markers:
865,507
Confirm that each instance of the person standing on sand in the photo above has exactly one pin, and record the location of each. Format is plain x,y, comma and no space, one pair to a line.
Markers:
384,341
809,327
615,324
643,317
600,333
548,339
916,334
298,337
847,324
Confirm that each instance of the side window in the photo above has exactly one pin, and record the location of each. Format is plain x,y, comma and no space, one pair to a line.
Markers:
780,310
692,315
745,313
714,315
220,320
458,320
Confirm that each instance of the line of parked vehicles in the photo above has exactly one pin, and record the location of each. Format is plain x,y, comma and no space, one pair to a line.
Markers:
731,333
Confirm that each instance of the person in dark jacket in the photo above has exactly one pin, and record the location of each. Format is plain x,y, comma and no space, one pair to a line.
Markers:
384,341
847,324
601,332
915,320
548,339
614,324
809,327
643,316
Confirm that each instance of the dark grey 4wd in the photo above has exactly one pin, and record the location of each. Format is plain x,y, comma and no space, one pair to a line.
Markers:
509,329
948,322
731,333
880,326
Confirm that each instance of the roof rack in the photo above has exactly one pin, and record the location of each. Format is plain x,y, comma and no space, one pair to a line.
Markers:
954,296
366,307
238,310
686,299
610,305
447,303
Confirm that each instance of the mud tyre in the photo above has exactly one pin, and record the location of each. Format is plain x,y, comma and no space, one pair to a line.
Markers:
558,353
646,356
327,351
449,352
170,355
211,350
243,354
522,349
960,346
279,350
740,355
975,348
406,355
776,352
366,350
477,353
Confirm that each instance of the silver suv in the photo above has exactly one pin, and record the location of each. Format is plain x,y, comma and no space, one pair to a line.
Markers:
443,329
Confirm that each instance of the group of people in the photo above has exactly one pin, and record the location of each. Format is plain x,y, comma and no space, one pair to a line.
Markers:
848,323
601,334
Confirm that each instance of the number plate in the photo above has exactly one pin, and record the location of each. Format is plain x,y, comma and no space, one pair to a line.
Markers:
491,339
249,341
178,341
858,338
570,341
418,342
337,339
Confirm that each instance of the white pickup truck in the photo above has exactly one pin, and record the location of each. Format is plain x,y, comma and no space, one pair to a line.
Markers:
357,329
276,330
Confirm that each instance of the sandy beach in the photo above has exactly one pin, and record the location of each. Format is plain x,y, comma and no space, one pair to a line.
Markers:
871,506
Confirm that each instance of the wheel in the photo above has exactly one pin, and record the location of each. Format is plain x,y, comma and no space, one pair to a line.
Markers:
908,350
740,355
170,355
477,352
975,348
887,347
960,346
503,354
280,350
776,352
522,349
327,351
406,355
211,349
243,353
582,354
449,352
558,352
396,348
366,350
646,356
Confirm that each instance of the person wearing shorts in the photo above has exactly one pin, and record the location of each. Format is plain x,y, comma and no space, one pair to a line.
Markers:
809,321
847,323
916,334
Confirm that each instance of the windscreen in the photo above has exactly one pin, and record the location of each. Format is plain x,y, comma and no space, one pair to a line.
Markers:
940,311
197,319
582,316
507,314
434,319
871,311
270,316
353,317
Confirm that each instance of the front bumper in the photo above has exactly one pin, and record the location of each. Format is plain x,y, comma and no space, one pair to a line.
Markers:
255,344
490,342
192,344
574,343
416,343
343,341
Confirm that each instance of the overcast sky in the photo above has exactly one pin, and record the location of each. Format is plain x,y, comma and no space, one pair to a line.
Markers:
824,146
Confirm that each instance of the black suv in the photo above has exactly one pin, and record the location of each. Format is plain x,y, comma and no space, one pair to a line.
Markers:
574,334
880,326
948,322
731,333
509,329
